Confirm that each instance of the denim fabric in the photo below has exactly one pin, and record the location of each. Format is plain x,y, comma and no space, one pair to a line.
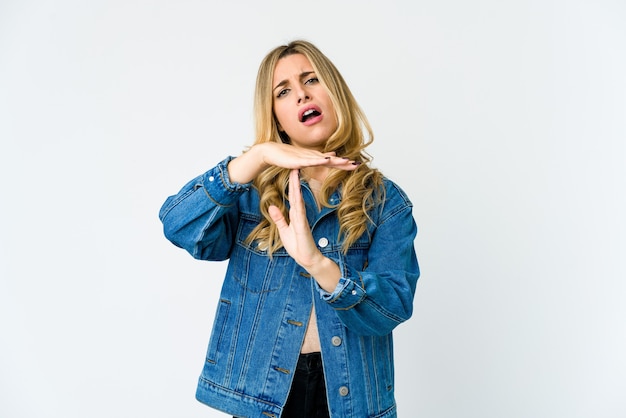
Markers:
265,302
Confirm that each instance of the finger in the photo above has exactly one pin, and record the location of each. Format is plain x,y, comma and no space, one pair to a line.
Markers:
315,161
297,213
295,194
277,217
343,163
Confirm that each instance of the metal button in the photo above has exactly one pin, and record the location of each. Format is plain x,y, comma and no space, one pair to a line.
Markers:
323,242
343,391
211,178
336,341
353,292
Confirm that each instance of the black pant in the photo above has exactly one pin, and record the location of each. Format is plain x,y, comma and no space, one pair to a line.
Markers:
307,397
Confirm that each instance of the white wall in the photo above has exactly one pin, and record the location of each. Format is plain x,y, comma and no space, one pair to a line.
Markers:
505,121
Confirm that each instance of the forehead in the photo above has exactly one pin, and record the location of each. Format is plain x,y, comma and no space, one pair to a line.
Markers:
291,66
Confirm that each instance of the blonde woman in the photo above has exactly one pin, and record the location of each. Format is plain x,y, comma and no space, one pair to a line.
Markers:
322,265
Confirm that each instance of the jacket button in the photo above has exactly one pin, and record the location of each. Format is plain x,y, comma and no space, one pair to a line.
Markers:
211,178
336,341
323,242
343,391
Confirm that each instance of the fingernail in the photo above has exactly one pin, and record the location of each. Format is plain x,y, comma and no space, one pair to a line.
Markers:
356,163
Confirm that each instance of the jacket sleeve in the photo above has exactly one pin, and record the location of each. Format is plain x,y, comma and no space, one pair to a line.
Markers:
202,217
376,300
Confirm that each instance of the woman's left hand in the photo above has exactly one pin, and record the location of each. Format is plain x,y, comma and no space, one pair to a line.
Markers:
298,240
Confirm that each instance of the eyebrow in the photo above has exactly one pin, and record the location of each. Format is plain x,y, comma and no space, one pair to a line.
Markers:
302,75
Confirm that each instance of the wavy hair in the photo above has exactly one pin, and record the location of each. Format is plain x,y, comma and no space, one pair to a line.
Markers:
361,189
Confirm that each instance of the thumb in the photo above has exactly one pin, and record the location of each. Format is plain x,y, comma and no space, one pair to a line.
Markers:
277,217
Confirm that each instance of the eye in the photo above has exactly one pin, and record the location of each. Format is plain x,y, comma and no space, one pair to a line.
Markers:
312,80
282,93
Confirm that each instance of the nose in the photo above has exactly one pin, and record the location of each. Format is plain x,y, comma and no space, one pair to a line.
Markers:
303,96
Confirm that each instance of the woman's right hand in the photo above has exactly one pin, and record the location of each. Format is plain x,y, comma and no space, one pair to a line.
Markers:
259,157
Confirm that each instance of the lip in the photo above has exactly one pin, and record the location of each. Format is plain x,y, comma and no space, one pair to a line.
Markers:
313,120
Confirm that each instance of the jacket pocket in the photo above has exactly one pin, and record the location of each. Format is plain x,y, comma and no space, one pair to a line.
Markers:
252,267
256,273
219,333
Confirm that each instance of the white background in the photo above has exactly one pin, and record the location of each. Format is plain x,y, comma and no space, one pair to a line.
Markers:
503,120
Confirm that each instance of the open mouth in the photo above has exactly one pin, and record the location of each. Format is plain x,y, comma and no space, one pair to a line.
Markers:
310,113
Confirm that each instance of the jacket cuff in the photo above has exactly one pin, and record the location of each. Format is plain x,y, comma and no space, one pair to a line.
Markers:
218,186
348,293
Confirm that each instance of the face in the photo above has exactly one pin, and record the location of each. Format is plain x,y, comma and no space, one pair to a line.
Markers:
302,106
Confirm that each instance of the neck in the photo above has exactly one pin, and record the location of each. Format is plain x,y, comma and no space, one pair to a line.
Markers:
316,173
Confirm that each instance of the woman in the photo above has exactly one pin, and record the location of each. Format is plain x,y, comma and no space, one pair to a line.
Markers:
322,264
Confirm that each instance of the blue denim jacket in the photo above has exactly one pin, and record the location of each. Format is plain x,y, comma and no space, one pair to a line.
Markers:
265,302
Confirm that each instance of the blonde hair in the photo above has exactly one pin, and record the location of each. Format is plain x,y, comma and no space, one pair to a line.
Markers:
361,189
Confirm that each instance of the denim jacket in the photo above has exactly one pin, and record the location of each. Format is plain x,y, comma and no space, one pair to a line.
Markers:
265,303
